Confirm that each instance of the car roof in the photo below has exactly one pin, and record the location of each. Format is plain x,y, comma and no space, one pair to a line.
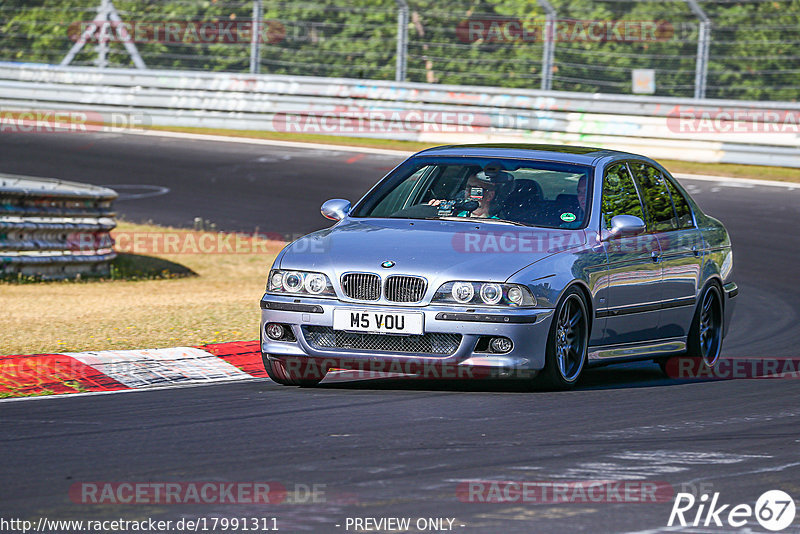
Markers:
556,153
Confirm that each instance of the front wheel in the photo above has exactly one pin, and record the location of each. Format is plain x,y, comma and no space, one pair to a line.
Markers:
279,372
567,343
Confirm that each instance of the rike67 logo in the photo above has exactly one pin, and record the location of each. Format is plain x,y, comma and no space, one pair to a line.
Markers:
774,510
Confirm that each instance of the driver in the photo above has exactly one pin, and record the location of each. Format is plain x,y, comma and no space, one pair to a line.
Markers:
481,191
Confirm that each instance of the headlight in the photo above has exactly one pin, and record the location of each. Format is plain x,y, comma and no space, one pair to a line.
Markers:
315,283
292,281
300,283
462,292
484,294
491,293
515,295
275,280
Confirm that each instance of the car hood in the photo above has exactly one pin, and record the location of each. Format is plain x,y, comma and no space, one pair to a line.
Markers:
436,249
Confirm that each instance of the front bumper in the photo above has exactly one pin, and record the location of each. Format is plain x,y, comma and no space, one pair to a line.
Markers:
731,291
527,328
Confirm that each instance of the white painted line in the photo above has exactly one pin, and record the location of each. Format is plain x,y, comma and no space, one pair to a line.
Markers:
147,191
686,457
693,425
156,367
614,471
271,142
736,182
760,470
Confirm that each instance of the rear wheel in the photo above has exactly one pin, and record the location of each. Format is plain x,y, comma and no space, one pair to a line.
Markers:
279,372
567,343
705,334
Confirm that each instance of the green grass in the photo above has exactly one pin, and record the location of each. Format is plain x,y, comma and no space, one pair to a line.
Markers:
153,300
129,267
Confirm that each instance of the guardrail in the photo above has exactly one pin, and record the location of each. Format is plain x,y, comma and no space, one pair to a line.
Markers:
53,229
765,133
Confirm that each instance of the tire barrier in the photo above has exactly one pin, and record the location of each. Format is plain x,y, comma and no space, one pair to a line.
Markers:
53,229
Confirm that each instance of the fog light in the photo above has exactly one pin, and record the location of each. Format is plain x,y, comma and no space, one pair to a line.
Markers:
501,345
275,331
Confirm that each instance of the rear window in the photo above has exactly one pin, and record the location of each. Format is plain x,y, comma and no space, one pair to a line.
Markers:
659,213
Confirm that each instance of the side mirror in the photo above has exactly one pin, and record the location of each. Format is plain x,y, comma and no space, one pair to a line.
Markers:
335,209
626,226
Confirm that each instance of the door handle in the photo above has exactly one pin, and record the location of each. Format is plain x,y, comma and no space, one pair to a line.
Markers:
695,251
656,256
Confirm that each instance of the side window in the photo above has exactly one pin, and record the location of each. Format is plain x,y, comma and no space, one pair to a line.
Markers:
619,194
681,206
657,201
397,198
452,179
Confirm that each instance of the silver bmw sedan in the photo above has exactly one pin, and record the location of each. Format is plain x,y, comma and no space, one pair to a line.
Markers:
478,261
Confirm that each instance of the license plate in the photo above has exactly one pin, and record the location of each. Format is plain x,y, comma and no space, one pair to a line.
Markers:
378,322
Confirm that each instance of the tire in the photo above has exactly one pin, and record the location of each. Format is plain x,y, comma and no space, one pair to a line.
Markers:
567,343
278,372
705,334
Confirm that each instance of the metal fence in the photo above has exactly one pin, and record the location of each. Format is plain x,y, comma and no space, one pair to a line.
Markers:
77,100
682,48
54,229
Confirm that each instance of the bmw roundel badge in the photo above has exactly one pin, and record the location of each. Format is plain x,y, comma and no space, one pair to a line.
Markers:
388,264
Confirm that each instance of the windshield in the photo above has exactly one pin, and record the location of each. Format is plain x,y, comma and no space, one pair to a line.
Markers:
530,193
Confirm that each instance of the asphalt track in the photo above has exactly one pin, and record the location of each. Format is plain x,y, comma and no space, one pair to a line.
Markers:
393,449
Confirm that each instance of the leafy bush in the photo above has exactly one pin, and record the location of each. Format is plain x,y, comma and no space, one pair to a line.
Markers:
752,53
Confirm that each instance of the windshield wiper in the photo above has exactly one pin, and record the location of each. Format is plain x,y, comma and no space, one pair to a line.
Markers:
515,223
481,220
